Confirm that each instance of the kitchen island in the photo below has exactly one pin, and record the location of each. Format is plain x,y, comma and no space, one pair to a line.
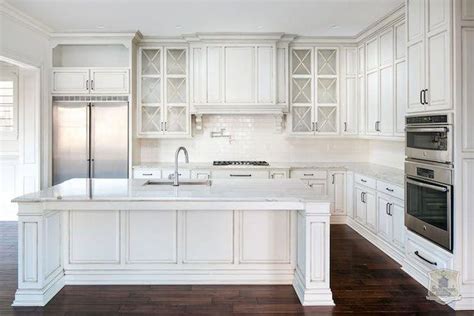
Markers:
120,231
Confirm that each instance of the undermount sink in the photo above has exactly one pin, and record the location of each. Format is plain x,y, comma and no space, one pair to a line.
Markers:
182,182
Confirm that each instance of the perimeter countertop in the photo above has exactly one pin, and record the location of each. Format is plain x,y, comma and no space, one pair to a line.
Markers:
380,172
222,190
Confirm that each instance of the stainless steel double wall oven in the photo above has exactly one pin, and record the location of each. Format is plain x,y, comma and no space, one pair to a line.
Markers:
429,177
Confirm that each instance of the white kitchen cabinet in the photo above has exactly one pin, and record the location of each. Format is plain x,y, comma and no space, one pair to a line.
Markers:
318,186
384,219
279,174
240,174
146,173
361,91
429,55
349,109
201,174
337,192
366,208
372,54
371,205
109,81
350,194
163,109
397,213
386,122
314,91
238,78
372,103
169,173
72,80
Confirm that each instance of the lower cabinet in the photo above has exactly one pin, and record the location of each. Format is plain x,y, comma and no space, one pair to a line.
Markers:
350,194
366,209
391,226
319,186
337,192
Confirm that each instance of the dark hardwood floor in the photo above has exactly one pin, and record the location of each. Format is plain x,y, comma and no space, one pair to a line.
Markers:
363,279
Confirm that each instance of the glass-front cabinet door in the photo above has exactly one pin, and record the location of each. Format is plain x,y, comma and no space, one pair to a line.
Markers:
163,92
314,90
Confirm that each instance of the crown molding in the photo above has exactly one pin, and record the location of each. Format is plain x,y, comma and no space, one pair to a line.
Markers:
392,17
22,17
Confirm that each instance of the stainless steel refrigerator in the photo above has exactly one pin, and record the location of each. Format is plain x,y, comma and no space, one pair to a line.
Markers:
90,140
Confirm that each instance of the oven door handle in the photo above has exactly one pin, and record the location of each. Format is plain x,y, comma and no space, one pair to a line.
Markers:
429,186
427,129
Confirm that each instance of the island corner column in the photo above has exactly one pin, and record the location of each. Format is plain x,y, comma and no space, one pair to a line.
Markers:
311,282
40,266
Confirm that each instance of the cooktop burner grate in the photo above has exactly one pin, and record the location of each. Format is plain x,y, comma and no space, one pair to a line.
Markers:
240,163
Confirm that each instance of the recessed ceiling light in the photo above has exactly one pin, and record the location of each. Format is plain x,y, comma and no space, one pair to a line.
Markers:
179,27
101,27
259,27
333,26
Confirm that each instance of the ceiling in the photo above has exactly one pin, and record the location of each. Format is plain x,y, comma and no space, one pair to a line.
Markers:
176,17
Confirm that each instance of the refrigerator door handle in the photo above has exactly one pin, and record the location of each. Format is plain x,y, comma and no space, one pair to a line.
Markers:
89,137
91,140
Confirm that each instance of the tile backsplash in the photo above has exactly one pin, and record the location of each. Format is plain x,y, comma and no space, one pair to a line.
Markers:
253,137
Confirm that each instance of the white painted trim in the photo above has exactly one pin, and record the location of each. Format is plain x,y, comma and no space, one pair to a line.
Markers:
27,20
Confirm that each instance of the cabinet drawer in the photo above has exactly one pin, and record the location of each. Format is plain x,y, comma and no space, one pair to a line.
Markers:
240,174
142,173
201,174
425,255
366,181
169,173
279,174
309,174
390,189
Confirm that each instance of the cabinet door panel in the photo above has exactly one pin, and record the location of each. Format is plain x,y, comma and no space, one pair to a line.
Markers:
109,81
214,74
386,48
318,186
398,223
361,209
415,19
361,104
70,81
400,40
350,107
151,236
386,101
372,54
337,192
400,97
265,237
265,74
437,14
302,119
384,228
438,76
416,69
239,74
208,237
467,86
372,101
350,194
371,204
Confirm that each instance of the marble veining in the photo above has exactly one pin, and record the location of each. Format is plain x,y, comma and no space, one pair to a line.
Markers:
264,190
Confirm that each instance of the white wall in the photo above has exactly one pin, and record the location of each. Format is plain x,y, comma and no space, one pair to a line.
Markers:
253,138
387,153
26,45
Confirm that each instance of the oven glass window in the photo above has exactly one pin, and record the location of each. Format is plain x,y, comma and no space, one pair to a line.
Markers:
427,140
428,205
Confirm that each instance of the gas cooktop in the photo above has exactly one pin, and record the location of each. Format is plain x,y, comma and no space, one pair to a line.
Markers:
240,163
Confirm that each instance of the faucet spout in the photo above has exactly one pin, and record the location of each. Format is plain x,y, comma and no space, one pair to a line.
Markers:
176,171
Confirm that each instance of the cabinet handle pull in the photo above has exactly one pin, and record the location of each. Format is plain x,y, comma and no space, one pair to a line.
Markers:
423,258
389,190
362,180
421,97
165,127
345,126
390,209
240,175
333,179
147,174
92,84
161,126
308,174
316,126
87,84
312,126
424,96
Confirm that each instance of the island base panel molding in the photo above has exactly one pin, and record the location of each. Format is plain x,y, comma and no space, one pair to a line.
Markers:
62,247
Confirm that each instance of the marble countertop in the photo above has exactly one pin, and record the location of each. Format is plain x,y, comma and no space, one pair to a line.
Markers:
255,190
387,174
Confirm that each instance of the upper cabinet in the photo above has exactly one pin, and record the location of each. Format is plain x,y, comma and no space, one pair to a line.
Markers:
429,55
382,82
163,107
349,107
239,77
69,80
314,90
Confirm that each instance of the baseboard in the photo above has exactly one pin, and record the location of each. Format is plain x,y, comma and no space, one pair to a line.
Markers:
39,297
312,297
338,219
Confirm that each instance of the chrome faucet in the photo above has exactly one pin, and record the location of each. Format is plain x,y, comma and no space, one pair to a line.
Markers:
176,173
